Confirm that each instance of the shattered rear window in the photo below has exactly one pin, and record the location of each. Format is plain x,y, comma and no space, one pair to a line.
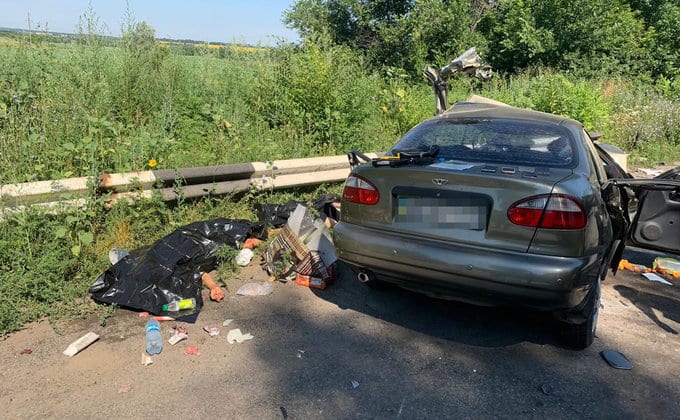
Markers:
504,141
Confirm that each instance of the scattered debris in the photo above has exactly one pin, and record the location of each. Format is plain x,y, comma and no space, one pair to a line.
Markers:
26,351
355,384
125,389
667,266
255,289
192,351
652,173
212,331
180,329
144,314
616,359
146,359
304,248
300,353
179,305
163,318
116,255
244,256
284,413
637,268
236,335
78,345
177,337
547,389
226,322
657,278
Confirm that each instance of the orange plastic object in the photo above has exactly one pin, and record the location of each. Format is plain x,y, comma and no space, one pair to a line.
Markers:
637,268
307,281
252,243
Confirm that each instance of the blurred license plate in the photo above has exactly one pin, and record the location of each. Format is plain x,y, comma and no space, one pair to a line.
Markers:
442,213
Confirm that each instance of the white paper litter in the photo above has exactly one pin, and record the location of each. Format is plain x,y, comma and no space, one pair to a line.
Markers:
176,338
146,359
227,322
212,331
244,256
236,335
355,384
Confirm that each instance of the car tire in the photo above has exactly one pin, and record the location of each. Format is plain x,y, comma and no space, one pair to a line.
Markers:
581,335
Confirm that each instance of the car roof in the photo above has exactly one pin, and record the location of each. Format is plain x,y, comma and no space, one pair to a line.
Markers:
486,110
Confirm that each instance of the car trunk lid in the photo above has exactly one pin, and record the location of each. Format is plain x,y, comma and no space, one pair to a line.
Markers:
460,202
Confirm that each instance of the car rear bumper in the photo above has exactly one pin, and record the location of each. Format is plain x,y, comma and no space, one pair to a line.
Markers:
468,273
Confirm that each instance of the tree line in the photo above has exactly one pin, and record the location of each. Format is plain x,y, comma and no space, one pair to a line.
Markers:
631,38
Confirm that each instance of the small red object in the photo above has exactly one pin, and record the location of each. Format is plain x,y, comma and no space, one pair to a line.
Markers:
191,351
180,329
143,314
125,389
26,351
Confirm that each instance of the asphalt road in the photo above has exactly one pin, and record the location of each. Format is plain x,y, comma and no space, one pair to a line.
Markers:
409,356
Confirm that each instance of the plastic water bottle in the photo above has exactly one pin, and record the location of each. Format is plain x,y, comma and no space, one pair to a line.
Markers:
179,305
154,341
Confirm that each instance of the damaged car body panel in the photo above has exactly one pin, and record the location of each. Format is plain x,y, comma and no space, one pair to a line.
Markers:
493,205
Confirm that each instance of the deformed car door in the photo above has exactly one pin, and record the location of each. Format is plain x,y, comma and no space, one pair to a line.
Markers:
656,223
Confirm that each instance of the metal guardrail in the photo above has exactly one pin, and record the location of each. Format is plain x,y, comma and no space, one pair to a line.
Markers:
192,182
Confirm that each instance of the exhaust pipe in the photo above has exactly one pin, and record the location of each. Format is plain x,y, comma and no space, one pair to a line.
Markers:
365,276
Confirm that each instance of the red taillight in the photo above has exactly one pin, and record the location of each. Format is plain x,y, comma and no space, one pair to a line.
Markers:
358,190
554,211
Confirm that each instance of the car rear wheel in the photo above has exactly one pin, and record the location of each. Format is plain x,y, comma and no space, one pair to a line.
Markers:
581,335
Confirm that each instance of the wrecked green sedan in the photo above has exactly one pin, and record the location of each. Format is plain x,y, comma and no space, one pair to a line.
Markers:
496,205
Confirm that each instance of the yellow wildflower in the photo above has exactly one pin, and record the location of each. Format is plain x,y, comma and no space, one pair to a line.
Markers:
153,163
383,109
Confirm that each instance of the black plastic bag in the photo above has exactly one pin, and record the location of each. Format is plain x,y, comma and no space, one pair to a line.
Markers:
276,215
171,268
324,205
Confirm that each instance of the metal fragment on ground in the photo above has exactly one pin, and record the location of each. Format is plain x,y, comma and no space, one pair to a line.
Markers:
616,359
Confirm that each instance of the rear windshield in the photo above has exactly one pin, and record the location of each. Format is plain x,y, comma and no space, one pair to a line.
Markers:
516,142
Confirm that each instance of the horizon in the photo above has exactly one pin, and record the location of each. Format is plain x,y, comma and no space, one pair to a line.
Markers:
211,21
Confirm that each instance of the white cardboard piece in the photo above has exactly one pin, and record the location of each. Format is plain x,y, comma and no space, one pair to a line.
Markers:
78,345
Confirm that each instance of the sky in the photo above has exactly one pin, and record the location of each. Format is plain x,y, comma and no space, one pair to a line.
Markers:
252,22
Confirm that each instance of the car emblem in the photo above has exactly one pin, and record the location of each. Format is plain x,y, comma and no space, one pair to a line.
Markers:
440,181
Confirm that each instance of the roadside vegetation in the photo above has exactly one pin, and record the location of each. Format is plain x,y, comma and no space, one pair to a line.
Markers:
87,104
